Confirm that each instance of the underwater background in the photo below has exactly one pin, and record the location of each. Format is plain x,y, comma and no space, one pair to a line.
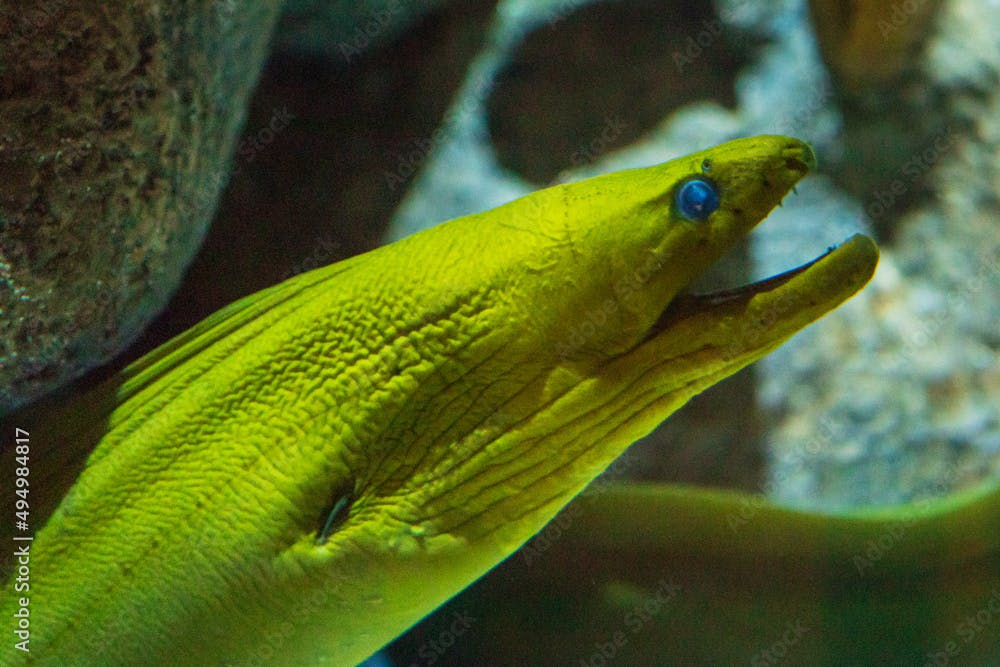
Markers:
372,120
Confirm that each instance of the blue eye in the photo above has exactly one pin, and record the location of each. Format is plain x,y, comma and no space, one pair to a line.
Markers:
697,199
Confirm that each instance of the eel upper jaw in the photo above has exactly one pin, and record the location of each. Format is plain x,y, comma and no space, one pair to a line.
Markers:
780,175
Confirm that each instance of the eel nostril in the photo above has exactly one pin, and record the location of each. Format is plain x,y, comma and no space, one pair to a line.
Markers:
800,156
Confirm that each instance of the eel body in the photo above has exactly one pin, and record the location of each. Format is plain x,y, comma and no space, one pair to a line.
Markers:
320,465
651,574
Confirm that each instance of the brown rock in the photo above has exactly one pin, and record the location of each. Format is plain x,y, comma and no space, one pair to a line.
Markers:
117,123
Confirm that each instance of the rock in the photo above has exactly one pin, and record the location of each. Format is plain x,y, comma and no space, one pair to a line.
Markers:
869,43
117,123
903,381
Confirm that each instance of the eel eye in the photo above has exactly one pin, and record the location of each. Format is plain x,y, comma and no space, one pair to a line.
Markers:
697,199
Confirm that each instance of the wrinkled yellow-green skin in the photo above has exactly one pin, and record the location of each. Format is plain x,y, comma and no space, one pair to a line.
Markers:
459,387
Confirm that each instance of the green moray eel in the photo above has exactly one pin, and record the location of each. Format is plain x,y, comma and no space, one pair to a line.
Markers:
320,465
646,574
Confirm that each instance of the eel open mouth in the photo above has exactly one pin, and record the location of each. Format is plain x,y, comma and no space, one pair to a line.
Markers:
778,306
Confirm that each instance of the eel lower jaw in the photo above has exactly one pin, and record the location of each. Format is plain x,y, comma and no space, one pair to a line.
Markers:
760,315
